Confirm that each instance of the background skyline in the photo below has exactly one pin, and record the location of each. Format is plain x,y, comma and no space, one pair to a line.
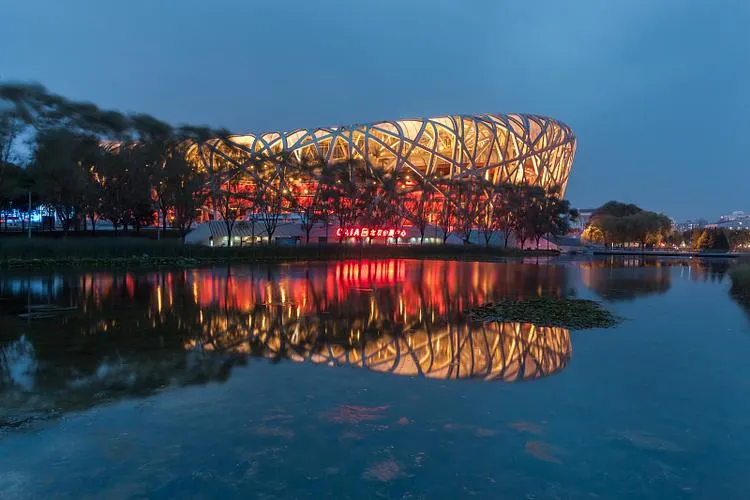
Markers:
656,92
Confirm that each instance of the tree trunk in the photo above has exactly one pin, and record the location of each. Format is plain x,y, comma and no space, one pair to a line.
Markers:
252,230
65,223
229,232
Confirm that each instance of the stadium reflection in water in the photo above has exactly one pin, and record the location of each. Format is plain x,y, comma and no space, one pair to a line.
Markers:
378,316
131,333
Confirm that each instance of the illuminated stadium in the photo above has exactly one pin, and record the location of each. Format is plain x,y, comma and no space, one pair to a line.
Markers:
409,157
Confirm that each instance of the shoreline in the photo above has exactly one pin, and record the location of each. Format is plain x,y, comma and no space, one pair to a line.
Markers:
224,256
636,253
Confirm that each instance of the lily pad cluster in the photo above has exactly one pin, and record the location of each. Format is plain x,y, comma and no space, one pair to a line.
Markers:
574,314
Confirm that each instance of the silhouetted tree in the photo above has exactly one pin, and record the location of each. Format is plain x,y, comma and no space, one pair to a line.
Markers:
58,169
314,177
186,189
420,202
274,193
344,195
447,216
469,201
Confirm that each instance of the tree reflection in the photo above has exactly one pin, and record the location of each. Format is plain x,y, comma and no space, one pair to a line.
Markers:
622,279
713,270
133,333
628,278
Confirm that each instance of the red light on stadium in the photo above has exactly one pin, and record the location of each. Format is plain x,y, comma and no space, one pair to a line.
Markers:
370,232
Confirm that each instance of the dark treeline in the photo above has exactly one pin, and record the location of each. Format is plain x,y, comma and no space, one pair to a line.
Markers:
624,224
88,164
616,223
713,239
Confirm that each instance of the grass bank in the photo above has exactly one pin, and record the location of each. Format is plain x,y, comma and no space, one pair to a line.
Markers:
140,252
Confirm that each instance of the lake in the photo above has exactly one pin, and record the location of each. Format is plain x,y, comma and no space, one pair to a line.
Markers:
362,379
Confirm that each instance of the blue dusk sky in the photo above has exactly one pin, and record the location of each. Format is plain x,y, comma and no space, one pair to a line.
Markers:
657,91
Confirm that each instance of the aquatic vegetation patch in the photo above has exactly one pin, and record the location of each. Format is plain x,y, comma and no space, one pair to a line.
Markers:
574,314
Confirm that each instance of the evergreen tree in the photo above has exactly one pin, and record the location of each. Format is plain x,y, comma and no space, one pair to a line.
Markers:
721,241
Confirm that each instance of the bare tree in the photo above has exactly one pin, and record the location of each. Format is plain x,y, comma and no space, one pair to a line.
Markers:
447,216
187,189
469,201
488,221
420,203
274,194
344,195
314,178
381,195
156,142
228,191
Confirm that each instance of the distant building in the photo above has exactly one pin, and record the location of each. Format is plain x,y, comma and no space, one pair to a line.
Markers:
584,216
733,225
736,215
736,221
690,225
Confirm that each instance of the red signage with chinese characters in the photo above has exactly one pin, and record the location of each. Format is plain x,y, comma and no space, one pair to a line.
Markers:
370,232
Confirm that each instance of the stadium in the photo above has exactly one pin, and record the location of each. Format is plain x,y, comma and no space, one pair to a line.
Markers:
409,157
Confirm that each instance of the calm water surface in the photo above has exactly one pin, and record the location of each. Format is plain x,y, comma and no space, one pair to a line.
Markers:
364,379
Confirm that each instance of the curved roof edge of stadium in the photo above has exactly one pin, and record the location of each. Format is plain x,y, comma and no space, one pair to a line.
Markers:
481,117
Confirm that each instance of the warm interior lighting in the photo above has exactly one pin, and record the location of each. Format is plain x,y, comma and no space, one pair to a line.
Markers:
511,148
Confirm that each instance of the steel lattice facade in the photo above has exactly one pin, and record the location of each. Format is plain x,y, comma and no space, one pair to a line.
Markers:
513,148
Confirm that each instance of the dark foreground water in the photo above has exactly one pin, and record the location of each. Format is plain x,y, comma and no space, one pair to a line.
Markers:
364,379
